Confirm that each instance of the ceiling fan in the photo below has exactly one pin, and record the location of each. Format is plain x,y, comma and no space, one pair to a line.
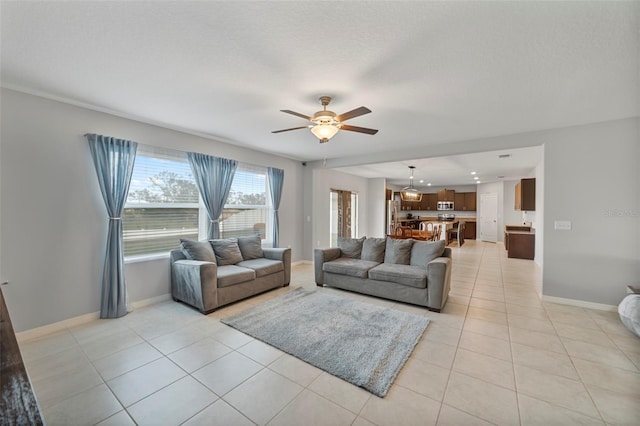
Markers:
325,124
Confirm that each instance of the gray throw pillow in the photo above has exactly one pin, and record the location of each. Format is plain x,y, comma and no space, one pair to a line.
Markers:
197,250
351,247
398,251
227,251
250,247
424,252
373,249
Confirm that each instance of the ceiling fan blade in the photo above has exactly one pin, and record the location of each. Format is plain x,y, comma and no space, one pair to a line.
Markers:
358,129
306,117
353,113
293,128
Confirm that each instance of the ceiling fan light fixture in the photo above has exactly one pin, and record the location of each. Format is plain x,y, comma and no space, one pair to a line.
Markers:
409,193
324,132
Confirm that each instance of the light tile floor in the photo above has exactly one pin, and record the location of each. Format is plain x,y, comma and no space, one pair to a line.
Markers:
495,355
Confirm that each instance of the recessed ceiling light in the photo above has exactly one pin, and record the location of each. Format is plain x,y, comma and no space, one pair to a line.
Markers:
421,180
478,181
473,173
429,184
476,177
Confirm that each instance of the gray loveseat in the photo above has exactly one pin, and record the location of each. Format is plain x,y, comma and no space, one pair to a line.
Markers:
211,274
416,272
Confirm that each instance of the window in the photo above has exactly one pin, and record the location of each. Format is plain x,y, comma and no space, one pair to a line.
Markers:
343,220
163,203
248,205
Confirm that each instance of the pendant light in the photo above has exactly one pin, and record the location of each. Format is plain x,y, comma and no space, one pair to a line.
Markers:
409,193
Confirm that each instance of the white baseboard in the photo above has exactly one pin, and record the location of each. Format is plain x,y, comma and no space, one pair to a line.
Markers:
580,303
151,301
36,333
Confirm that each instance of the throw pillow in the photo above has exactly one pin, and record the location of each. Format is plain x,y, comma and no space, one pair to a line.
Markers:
373,249
227,251
424,252
398,251
197,250
351,247
250,247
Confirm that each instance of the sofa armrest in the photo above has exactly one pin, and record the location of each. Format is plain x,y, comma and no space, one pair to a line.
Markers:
196,283
438,281
283,255
321,255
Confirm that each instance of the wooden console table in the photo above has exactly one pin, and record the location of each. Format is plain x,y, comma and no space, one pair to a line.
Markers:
520,241
18,405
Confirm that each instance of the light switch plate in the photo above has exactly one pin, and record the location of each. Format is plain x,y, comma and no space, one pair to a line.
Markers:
562,225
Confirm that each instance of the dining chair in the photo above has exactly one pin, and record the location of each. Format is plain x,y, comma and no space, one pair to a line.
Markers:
458,233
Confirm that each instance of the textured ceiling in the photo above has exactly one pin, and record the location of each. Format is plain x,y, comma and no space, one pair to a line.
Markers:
431,72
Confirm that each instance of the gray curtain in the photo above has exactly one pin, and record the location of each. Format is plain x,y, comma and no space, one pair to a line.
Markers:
214,176
276,179
113,159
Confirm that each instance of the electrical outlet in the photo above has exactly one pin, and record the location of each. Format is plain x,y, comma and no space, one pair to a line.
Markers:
562,225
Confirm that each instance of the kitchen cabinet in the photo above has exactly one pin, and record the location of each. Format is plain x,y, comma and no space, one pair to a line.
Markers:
470,201
526,195
387,194
429,202
465,201
520,241
409,205
446,195
470,231
458,201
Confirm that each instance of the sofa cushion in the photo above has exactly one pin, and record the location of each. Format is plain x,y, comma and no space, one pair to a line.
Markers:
373,249
351,247
250,247
398,251
229,275
351,267
263,266
197,250
424,252
227,251
411,276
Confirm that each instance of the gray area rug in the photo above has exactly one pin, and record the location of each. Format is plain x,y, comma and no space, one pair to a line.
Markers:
361,343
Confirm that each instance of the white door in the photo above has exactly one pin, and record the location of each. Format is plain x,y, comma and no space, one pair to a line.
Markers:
489,217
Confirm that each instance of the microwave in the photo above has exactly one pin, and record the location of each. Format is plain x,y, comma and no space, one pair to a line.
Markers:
445,205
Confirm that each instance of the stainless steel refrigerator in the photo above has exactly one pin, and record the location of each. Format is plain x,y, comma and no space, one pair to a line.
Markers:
393,212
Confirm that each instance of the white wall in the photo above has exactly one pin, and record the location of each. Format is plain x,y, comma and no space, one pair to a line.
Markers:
591,179
539,218
53,219
376,208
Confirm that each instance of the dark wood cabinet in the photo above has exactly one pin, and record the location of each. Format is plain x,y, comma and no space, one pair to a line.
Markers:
429,202
446,195
458,200
526,195
387,194
520,241
470,201
470,231
465,201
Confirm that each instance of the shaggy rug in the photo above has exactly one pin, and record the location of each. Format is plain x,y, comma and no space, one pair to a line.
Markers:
361,343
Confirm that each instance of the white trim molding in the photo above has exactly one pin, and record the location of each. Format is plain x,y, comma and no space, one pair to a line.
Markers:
580,303
45,330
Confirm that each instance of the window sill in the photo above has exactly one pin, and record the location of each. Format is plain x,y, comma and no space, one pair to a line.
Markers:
146,258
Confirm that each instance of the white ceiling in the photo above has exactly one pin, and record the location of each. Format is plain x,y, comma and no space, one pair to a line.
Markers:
455,169
431,72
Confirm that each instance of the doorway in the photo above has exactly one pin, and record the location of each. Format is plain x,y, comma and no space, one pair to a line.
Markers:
343,221
489,217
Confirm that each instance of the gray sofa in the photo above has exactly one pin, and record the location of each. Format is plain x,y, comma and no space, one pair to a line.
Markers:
211,274
416,272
